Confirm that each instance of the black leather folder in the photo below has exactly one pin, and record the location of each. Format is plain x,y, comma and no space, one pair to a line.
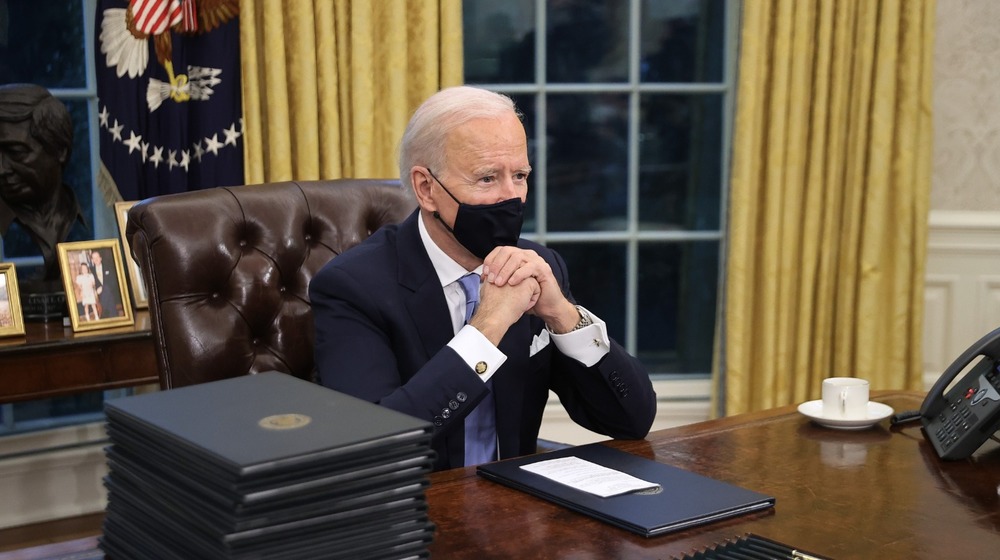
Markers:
684,500
222,427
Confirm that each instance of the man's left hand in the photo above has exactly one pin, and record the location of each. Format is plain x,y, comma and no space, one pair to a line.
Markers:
512,265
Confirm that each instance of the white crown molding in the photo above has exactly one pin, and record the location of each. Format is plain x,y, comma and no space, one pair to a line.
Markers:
963,220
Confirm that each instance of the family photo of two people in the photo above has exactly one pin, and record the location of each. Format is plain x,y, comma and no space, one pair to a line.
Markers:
96,286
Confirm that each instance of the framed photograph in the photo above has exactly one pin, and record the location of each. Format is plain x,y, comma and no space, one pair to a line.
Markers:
94,280
11,321
135,280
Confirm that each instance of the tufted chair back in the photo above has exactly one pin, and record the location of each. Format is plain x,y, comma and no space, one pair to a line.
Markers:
227,270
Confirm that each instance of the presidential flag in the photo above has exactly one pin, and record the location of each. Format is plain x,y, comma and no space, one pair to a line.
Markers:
168,87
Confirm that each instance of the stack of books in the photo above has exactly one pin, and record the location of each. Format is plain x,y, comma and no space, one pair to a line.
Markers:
264,466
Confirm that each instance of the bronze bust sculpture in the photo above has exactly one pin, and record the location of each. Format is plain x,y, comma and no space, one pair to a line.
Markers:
36,136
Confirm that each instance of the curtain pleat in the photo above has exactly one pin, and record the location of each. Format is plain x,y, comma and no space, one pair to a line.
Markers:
328,82
828,199
328,86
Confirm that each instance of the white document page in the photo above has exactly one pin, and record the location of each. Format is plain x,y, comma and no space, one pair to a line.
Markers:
588,477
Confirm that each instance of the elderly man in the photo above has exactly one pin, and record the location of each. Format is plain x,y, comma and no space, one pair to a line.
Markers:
452,318
36,134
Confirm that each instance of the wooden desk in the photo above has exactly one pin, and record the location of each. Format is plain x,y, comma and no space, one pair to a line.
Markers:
52,360
878,493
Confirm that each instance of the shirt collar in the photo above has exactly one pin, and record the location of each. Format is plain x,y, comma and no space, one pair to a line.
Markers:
448,271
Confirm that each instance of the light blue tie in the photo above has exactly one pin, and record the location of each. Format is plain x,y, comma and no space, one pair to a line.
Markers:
470,285
480,424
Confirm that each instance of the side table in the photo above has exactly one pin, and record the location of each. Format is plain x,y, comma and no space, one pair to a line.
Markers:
51,360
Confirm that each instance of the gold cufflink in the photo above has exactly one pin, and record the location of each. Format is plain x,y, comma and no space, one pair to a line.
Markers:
481,368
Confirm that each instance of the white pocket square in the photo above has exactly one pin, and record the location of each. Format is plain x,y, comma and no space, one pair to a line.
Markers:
540,341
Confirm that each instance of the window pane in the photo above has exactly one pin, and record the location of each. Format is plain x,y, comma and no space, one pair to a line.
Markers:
680,161
676,311
598,129
17,243
683,41
44,44
587,41
526,104
600,289
587,162
499,41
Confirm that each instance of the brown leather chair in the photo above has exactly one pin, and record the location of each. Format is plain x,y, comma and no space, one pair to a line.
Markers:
227,270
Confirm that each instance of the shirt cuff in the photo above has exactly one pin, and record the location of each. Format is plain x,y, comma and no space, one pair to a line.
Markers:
587,345
477,351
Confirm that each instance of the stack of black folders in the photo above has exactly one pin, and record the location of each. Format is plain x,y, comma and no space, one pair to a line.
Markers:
264,466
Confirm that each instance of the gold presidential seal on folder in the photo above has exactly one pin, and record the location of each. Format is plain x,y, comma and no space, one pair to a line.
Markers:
284,421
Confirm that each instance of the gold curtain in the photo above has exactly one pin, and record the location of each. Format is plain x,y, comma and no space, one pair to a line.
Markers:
829,198
328,85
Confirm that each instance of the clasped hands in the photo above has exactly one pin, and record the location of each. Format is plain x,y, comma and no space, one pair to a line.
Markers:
517,281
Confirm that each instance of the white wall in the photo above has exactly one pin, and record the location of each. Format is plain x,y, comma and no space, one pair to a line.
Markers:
962,291
52,474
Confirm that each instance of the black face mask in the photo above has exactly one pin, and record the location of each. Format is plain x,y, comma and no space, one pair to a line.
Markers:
483,227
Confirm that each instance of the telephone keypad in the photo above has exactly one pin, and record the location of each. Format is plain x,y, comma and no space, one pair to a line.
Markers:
954,424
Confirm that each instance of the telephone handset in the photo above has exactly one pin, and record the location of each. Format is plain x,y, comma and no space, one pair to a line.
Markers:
958,422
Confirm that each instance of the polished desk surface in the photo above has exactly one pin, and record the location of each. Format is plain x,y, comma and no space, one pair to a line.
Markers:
874,493
50,360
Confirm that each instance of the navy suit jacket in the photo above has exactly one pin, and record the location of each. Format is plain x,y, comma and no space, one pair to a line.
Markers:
382,328
110,295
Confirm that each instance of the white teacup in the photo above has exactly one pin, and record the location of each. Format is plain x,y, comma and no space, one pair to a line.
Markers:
845,398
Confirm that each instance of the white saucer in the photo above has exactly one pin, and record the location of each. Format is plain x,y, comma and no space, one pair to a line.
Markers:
876,413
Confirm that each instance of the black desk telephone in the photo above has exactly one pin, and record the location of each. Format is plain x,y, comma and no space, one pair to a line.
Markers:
959,421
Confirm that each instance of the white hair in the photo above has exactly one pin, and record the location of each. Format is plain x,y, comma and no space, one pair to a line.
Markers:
423,142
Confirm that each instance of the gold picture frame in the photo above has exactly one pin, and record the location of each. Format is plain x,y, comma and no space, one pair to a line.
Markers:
11,319
139,295
94,280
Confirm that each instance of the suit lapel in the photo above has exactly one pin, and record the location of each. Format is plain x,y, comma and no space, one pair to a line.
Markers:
425,302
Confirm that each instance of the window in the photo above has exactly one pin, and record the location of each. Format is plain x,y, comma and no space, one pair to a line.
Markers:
51,44
627,108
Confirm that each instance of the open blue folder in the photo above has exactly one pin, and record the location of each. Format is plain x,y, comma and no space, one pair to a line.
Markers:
687,499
